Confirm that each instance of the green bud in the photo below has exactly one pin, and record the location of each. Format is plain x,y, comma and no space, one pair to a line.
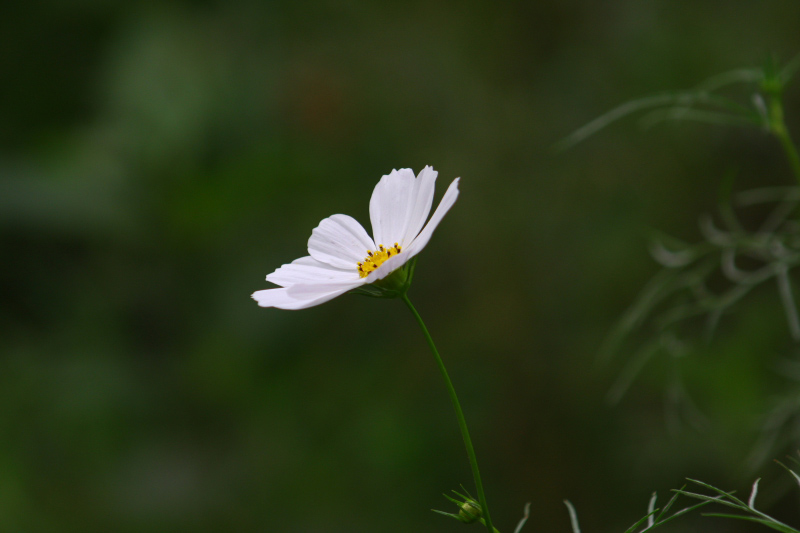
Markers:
470,511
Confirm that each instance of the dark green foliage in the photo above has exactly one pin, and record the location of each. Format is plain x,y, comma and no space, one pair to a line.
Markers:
158,160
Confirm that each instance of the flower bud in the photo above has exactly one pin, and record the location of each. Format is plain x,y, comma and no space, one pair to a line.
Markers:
470,511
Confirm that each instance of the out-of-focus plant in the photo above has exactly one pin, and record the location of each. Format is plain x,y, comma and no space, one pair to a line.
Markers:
654,518
469,510
700,283
748,508
705,103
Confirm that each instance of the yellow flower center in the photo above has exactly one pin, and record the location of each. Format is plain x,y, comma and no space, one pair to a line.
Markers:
376,259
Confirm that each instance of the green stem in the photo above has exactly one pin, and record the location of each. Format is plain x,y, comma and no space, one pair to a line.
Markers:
462,423
791,152
778,127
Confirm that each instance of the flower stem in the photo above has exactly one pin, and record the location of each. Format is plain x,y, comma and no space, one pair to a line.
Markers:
778,127
462,423
791,151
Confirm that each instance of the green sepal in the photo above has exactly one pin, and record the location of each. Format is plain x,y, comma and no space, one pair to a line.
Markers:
394,285
451,515
469,509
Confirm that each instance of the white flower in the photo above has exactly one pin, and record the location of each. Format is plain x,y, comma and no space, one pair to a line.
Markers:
343,257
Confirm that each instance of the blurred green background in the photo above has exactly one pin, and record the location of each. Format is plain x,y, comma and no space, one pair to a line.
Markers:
158,159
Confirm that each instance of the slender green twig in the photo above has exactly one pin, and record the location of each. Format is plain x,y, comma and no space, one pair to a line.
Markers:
778,127
462,423
773,85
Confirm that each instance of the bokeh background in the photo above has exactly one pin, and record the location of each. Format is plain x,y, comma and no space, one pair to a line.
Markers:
158,159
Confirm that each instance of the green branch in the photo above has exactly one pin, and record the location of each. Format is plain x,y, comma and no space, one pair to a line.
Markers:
462,423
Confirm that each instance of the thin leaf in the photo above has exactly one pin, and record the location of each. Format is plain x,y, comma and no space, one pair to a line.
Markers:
787,299
795,461
459,503
695,115
671,258
573,517
451,515
718,491
726,211
713,499
615,114
630,107
465,498
792,472
525,515
642,520
651,505
656,290
741,75
773,525
666,283
777,216
631,369
790,69
667,507
767,194
712,234
753,493
679,313
682,512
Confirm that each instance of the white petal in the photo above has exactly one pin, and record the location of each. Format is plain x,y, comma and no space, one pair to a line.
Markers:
340,241
310,290
281,298
309,270
388,207
420,205
447,202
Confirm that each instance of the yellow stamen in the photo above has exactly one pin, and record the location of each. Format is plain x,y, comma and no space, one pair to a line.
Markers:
376,259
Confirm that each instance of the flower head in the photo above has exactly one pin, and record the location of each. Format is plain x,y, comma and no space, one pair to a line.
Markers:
469,510
343,257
